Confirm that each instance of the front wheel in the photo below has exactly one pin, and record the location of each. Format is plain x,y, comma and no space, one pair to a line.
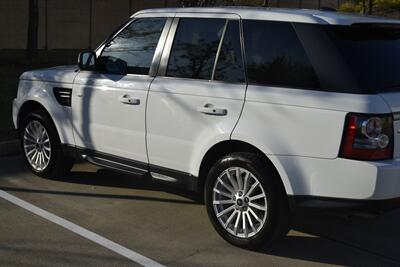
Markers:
245,201
42,147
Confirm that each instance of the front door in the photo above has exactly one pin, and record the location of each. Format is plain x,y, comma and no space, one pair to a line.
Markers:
109,105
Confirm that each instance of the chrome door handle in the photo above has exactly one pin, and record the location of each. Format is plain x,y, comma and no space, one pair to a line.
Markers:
209,109
127,99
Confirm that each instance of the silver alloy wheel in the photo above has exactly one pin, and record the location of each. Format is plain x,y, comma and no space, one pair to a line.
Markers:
240,203
37,146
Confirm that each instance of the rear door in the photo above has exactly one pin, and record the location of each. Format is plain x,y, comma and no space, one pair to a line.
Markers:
197,97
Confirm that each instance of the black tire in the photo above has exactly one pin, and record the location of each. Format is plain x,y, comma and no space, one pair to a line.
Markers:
59,164
277,222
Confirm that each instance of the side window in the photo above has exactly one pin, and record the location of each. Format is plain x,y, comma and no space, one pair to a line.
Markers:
133,49
276,57
194,49
230,66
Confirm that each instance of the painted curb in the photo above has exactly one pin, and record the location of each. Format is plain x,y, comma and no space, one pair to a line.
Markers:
9,148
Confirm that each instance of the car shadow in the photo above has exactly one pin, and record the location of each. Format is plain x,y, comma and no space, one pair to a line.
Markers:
108,178
374,236
323,237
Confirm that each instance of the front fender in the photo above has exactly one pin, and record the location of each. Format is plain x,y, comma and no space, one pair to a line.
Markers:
42,93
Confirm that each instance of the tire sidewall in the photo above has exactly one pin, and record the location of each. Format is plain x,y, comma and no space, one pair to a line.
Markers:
54,141
264,177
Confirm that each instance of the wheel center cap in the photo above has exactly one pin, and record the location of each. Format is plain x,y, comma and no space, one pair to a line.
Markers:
239,202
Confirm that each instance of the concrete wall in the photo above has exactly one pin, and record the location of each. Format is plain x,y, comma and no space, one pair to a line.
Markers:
78,24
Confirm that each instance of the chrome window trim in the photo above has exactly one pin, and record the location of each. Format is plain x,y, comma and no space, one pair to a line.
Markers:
221,41
162,69
155,64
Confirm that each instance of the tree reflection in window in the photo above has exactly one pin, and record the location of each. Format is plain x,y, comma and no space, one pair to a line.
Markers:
276,57
194,49
134,46
230,66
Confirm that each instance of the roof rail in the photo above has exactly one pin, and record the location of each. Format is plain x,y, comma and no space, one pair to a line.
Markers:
325,8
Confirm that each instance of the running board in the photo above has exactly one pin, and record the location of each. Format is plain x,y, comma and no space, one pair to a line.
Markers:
138,168
106,163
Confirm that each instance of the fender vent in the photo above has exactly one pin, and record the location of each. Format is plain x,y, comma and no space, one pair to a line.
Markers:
63,95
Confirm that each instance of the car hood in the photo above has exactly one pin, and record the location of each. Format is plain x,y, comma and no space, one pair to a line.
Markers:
61,74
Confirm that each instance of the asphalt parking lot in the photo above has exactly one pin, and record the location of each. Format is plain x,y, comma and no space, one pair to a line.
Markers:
165,225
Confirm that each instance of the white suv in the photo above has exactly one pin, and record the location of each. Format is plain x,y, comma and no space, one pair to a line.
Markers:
263,110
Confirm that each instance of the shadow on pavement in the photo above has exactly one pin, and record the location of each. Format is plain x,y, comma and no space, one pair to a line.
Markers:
377,237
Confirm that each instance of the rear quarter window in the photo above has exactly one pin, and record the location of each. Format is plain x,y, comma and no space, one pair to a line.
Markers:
276,57
372,52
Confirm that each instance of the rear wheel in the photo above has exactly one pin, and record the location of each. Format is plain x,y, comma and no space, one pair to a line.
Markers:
42,147
245,201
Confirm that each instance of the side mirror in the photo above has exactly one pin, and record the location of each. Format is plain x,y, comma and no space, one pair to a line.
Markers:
87,60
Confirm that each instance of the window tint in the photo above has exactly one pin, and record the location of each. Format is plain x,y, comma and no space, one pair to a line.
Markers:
275,56
133,49
194,49
372,52
230,62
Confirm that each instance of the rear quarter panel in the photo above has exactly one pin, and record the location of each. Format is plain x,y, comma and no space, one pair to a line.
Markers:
285,123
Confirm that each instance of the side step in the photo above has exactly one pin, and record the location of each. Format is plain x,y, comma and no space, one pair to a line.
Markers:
110,164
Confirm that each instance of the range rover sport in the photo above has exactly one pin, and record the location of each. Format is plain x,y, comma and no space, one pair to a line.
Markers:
262,110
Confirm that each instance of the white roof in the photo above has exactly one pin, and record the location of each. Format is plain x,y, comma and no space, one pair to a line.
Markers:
280,14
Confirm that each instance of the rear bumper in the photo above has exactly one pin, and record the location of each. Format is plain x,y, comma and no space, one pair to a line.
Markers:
341,180
301,203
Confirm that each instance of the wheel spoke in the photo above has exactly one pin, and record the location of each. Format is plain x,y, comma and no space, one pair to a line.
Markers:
34,155
236,223
232,181
37,158
256,206
227,201
244,226
28,132
239,179
230,218
225,211
30,152
246,183
251,222
222,193
255,215
230,189
29,139
252,188
43,134
43,159
35,129
40,159
257,197
47,156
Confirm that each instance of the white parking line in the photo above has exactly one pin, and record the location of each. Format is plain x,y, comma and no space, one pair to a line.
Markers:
123,251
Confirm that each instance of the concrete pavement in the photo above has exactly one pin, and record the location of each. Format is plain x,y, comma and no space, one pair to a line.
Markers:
166,225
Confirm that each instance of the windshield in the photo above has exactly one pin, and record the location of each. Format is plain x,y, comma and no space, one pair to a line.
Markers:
373,53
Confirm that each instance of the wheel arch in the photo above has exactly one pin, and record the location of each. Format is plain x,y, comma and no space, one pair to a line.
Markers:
27,108
223,148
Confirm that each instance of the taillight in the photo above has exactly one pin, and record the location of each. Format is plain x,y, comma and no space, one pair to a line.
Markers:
368,137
